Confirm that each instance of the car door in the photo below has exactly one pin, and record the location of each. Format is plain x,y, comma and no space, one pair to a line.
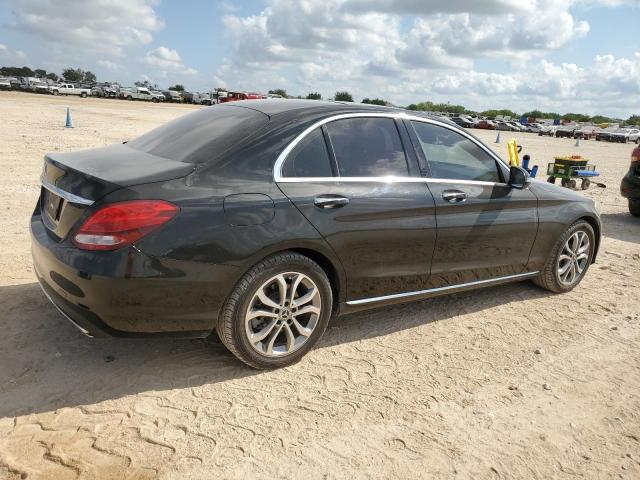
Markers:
352,179
486,228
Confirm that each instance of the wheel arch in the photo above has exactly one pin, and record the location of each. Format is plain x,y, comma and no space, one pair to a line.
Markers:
335,279
597,229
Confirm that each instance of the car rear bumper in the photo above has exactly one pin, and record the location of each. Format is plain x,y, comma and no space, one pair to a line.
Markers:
125,293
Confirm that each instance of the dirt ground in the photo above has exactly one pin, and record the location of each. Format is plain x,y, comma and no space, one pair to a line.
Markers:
445,388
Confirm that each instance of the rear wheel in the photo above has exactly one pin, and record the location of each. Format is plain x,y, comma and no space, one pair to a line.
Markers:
569,259
634,207
277,312
585,183
83,95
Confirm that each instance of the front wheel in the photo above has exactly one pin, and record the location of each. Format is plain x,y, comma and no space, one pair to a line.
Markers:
634,207
277,311
83,95
569,259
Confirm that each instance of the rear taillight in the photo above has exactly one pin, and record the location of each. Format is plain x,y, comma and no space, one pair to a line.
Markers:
119,224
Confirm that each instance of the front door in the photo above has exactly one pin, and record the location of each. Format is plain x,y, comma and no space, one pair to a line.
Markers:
485,228
351,179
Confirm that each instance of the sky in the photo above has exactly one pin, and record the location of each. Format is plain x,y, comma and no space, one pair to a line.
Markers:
553,55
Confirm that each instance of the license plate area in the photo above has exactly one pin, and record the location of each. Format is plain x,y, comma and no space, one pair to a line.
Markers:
51,206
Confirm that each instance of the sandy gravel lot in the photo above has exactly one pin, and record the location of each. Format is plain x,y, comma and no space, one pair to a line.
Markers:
445,388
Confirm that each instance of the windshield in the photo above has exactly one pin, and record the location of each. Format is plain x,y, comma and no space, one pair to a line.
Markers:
202,136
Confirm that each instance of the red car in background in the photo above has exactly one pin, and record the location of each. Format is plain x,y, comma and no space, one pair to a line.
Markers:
236,96
485,125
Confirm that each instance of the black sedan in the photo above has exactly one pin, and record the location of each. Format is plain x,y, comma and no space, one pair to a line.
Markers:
263,219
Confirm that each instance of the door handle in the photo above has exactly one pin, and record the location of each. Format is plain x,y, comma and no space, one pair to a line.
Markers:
454,196
330,201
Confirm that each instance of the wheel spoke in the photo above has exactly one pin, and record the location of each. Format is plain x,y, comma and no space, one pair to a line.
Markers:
307,309
262,296
260,313
272,340
282,288
562,270
294,287
259,336
291,340
303,330
306,298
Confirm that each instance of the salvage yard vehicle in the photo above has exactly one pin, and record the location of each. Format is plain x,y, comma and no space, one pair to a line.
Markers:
586,132
462,121
71,89
263,219
172,96
137,93
630,186
624,135
548,130
565,131
533,127
485,125
106,90
605,135
5,84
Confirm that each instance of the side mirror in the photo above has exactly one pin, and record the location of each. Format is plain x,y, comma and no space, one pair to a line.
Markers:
518,178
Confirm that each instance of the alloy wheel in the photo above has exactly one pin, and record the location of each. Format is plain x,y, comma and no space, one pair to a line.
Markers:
282,314
574,258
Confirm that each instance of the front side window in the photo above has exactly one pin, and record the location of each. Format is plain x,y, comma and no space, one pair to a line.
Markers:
453,156
367,147
309,158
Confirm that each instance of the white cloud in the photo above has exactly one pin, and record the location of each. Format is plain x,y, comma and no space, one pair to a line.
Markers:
109,65
412,50
106,26
9,55
167,60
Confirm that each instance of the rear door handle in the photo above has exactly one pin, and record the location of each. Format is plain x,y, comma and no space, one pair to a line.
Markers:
454,196
330,201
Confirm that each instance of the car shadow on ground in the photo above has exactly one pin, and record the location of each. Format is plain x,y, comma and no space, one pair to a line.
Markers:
621,226
46,364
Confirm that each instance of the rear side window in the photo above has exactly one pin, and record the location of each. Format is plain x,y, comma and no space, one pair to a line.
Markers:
368,147
453,156
202,136
309,158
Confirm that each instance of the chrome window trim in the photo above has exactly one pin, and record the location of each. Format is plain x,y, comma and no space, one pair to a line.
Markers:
279,178
70,197
439,289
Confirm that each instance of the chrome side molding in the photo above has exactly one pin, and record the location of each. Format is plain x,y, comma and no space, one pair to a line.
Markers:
441,289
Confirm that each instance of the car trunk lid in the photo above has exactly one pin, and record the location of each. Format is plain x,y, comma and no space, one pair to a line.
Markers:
73,182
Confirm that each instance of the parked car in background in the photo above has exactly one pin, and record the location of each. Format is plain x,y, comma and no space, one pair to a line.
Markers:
565,131
205,98
105,90
624,135
505,126
605,135
5,84
586,132
71,89
462,121
517,127
157,96
485,125
233,96
630,186
533,127
136,93
173,96
278,229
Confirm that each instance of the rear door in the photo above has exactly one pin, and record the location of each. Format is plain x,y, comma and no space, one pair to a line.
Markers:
485,228
352,179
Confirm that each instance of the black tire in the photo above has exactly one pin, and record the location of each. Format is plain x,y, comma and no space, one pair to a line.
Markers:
571,184
585,183
548,277
130,98
551,179
634,207
230,326
83,95
154,100
564,182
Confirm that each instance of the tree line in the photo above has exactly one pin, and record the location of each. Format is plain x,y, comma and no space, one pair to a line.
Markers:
78,75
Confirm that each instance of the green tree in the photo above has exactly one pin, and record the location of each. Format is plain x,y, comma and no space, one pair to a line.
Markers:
89,77
375,101
279,91
40,73
73,74
504,112
343,97
633,120
53,76
17,71
314,96
177,87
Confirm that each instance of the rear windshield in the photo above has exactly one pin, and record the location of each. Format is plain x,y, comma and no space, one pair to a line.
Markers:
202,136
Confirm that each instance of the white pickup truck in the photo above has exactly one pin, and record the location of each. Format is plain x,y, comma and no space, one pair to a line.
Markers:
71,89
